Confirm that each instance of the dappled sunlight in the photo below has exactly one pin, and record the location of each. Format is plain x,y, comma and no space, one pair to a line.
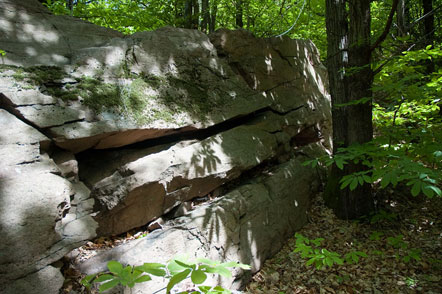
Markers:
204,161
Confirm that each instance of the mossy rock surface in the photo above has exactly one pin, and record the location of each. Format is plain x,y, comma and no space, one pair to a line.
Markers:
140,98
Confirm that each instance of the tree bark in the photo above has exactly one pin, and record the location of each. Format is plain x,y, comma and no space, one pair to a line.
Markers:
205,15
348,63
429,30
214,10
403,17
196,14
360,201
239,14
188,14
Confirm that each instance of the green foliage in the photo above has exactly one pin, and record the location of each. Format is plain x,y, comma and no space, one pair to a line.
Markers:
408,126
2,52
413,253
265,18
410,282
383,216
376,236
353,256
321,257
175,271
397,242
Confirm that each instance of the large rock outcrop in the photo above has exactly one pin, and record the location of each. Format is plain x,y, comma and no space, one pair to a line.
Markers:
103,133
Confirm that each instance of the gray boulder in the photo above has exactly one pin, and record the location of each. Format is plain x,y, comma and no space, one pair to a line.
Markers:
104,132
247,225
35,209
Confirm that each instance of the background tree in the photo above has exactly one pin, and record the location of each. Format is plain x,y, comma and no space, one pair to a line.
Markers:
349,68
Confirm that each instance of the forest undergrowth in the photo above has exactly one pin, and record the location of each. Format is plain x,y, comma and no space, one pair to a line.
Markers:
396,250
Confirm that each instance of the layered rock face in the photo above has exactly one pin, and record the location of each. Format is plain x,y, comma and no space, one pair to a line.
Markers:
103,133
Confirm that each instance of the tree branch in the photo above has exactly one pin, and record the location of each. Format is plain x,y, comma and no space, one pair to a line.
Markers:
387,26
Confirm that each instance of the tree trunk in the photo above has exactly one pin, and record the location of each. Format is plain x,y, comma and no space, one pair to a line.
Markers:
205,15
195,14
188,14
70,6
212,24
239,14
349,50
429,30
359,202
403,17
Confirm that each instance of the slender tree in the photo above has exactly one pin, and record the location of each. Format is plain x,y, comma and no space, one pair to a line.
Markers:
239,14
403,17
205,13
213,15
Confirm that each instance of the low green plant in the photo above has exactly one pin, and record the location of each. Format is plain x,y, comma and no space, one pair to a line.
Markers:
413,253
323,257
383,216
397,242
176,270
378,252
411,282
376,236
320,257
342,279
353,256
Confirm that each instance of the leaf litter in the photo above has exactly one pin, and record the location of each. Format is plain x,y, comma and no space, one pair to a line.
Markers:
402,242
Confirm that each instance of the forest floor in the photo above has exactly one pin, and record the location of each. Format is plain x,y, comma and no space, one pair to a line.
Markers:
402,244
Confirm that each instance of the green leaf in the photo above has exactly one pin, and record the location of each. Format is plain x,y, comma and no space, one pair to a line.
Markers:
385,180
221,270
198,277
109,285
236,264
367,179
310,261
174,267
177,278
156,269
436,190
103,278
142,279
363,254
339,163
204,289
346,181
416,188
354,184
328,261
115,267
206,261
86,280
427,191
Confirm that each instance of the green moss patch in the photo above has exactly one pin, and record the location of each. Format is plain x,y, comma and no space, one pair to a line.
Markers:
145,99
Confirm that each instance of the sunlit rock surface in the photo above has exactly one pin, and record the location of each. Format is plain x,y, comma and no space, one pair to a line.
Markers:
102,133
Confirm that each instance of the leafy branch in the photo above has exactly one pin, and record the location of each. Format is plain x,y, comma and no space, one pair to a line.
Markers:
176,271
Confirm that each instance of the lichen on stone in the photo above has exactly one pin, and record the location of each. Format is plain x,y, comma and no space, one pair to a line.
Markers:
143,98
